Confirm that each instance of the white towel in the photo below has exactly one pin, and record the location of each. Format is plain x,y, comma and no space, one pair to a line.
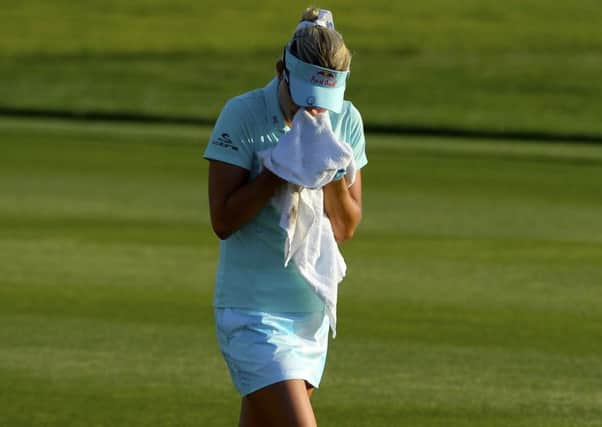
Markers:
310,154
308,157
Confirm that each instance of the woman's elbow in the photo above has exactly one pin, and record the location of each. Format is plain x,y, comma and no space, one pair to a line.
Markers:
343,236
345,233
221,229
222,235
345,230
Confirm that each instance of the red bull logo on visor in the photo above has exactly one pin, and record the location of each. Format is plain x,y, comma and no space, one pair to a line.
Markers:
324,78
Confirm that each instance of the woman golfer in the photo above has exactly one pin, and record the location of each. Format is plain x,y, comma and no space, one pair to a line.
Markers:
271,325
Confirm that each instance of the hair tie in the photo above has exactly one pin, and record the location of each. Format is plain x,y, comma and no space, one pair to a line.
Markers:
324,19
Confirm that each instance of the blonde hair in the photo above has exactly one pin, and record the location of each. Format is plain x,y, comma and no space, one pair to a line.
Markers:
319,45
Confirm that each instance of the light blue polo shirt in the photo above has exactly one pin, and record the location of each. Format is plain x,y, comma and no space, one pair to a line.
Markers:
251,272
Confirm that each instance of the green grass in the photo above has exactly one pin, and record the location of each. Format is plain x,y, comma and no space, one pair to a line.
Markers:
472,297
513,65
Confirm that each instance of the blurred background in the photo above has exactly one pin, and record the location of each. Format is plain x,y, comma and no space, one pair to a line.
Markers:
475,279
522,65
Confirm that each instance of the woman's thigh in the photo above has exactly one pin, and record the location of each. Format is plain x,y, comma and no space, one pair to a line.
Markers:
285,403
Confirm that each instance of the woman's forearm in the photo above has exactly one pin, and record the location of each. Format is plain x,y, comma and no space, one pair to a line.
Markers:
230,210
343,209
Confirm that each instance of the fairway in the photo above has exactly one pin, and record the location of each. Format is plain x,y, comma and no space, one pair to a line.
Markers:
472,297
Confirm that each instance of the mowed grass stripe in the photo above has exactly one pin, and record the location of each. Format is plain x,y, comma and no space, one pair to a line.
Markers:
472,65
471,297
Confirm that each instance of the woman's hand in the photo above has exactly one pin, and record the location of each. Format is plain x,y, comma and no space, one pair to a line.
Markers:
233,199
343,206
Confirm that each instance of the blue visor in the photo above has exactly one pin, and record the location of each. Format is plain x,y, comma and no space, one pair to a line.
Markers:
314,86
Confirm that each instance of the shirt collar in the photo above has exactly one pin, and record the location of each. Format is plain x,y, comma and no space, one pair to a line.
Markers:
275,116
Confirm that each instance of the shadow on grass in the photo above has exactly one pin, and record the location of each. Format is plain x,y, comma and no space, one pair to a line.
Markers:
372,128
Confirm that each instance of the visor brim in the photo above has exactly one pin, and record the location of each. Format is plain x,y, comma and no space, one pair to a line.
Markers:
305,94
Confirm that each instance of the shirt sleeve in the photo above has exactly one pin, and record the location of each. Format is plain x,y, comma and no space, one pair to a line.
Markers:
356,138
231,141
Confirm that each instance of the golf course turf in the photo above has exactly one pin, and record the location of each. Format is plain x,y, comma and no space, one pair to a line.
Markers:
472,296
474,286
